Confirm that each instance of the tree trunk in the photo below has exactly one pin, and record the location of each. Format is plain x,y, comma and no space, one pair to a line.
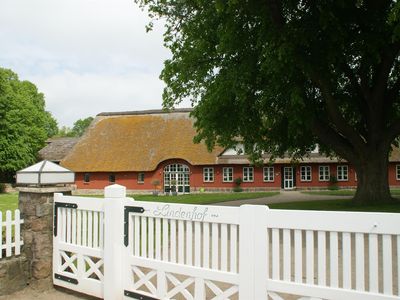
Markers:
372,180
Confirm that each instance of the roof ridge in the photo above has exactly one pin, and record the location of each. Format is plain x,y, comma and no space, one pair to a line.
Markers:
146,112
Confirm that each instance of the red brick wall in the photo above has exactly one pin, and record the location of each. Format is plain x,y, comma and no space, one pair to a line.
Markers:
99,180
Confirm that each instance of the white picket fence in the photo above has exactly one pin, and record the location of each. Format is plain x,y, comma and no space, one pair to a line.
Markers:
10,234
117,248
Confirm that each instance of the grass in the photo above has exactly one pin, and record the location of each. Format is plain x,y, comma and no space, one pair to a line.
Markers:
336,205
203,198
8,201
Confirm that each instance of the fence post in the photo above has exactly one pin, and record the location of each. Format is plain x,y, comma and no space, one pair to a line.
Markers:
113,241
253,252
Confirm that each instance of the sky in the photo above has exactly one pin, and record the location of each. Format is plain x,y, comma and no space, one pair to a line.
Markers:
85,56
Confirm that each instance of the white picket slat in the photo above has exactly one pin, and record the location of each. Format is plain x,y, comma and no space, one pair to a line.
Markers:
215,246
346,253
298,256
173,240
309,257
321,258
206,245
189,243
387,264
360,262
287,257
197,244
373,263
334,259
181,242
165,239
275,254
17,232
8,233
150,237
1,234
224,247
233,248
158,238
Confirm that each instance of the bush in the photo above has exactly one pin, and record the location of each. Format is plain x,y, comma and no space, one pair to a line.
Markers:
2,188
238,181
237,189
333,183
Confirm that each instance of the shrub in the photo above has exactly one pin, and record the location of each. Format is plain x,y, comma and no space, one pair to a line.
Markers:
237,189
2,188
238,181
333,183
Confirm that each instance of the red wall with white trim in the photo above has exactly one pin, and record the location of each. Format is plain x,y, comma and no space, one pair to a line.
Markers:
99,180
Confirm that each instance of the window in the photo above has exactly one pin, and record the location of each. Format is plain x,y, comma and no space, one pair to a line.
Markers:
86,178
227,174
268,174
248,174
342,173
305,173
397,172
208,174
324,173
140,177
111,178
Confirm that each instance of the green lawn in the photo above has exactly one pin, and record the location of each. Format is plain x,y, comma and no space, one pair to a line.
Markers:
8,201
204,198
337,205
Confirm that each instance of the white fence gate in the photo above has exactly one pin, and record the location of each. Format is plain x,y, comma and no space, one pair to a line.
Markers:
117,248
10,234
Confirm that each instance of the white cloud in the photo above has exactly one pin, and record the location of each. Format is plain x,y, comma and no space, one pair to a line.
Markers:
86,56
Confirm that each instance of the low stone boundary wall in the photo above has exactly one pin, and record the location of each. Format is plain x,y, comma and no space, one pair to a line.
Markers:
14,274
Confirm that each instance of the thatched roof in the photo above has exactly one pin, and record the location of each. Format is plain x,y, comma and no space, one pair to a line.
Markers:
57,148
311,158
138,141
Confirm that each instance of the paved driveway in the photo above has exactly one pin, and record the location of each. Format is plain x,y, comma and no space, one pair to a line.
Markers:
284,196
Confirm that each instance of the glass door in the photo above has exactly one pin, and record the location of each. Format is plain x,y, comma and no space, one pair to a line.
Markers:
288,178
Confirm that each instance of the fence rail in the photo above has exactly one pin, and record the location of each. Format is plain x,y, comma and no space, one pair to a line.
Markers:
10,234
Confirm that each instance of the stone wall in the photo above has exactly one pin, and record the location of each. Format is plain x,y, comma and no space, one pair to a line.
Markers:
14,274
36,206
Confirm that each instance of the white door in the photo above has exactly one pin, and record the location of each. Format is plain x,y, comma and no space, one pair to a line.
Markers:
288,178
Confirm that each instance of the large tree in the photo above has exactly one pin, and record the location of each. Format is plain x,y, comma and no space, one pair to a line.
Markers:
24,123
77,130
287,74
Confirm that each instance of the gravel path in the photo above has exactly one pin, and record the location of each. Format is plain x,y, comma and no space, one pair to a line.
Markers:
284,196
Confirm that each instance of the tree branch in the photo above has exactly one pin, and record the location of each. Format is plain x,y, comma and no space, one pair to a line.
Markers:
334,140
382,75
275,7
336,117
393,131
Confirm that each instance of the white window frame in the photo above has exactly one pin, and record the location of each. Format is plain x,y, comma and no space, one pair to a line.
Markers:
208,174
269,174
323,168
397,172
342,173
247,173
86,177
140,177
227,174
307,172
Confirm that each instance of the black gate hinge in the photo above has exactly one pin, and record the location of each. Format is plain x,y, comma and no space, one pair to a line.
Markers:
127,210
